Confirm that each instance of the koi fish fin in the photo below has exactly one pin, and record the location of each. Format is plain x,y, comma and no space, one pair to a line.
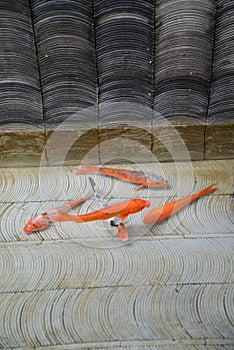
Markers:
138,187
70,205
122,232
87,169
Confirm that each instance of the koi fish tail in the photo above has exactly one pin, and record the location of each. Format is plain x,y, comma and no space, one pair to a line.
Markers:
179,204
204,191
87,169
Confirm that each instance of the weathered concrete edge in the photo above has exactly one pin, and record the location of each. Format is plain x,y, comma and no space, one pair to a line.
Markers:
140,343
20,148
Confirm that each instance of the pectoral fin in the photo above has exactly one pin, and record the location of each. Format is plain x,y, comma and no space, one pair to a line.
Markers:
122,232
138,187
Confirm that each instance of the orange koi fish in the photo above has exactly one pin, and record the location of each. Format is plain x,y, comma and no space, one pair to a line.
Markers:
43,220
121,209
170,208
143,179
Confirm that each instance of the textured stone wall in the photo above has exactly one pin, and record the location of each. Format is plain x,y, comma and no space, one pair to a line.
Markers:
134,69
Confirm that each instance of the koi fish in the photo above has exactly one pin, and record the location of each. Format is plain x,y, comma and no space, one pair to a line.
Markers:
120,209
170,208
143,179
43,220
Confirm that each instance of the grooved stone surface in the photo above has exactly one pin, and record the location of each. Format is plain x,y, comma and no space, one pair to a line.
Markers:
75,286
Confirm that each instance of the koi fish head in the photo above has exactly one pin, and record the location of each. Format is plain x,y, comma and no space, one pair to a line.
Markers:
37,223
